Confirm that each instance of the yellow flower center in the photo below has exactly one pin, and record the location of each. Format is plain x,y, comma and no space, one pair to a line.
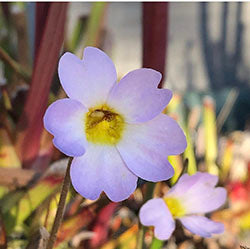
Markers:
103,125
175,207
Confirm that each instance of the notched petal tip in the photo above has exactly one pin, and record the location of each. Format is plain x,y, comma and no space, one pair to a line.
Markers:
63,119
89,79
137,97
66,58
93,51
151,73
97,58
156,213
102,169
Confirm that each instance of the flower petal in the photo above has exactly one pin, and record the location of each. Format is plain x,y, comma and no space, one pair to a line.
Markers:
145,147
89,80
65,120
202,226
204,200
198,194
102,169
155,213
137,97
189,181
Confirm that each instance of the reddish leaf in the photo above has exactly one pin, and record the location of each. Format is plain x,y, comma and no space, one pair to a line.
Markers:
100,227
42,10
73,224
155,27
30,125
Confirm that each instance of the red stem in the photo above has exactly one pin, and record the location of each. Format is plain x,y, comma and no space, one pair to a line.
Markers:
30,126
155,30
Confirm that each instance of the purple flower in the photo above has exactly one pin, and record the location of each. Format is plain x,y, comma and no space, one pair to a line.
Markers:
192,195
115,131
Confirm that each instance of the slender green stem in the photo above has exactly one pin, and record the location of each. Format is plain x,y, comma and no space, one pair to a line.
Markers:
61,206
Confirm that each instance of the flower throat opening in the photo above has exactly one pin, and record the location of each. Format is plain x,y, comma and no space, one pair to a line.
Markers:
103,125
175,207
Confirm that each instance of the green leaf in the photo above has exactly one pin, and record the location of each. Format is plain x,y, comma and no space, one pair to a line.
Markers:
210,135
156,244
95,23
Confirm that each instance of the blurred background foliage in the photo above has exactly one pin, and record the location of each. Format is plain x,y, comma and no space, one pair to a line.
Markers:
202,51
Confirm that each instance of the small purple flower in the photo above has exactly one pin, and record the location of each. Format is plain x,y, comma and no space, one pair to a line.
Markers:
115,131
192,195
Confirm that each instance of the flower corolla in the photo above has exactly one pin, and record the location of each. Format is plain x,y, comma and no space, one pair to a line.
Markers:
186,201
115,131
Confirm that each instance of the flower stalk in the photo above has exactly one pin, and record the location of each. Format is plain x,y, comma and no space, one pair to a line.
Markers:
61,206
